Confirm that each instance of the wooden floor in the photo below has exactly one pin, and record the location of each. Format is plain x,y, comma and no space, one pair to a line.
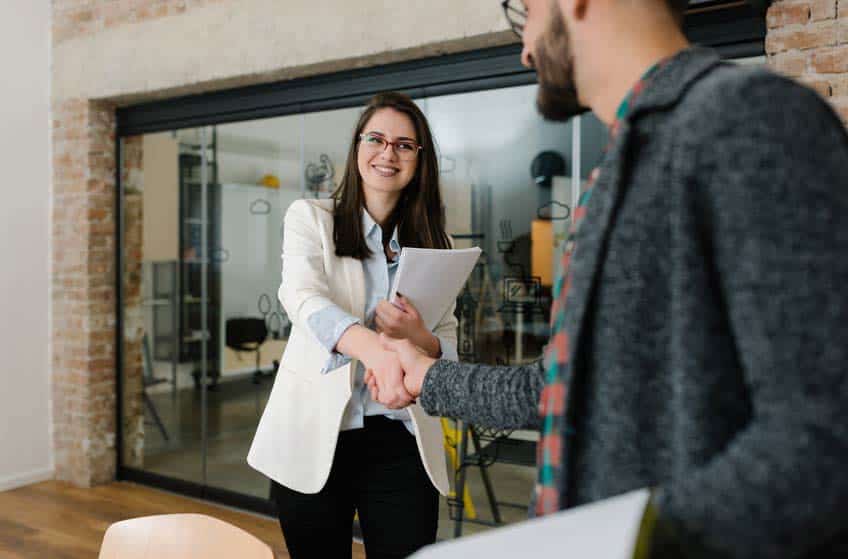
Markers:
54,520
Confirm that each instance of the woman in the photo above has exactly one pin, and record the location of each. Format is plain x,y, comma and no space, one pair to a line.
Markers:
328,447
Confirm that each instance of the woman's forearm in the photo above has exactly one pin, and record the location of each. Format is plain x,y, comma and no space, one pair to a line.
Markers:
360,343
363,344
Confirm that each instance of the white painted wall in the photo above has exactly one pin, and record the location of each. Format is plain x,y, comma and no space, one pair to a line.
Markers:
25,437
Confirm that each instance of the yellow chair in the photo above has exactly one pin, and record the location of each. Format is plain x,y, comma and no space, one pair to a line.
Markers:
452,436
180,536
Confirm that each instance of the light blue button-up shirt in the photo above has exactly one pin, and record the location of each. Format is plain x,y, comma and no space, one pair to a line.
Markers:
329,323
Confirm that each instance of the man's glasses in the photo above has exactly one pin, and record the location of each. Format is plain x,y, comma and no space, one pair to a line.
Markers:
406,150
516,15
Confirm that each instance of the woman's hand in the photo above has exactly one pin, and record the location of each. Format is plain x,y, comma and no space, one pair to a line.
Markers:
414,361
401,320
386,375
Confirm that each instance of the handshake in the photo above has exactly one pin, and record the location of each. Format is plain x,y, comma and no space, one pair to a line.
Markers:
396,363
396,372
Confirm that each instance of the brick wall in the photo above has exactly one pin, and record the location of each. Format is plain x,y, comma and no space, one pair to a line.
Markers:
132,178
83,300
808,40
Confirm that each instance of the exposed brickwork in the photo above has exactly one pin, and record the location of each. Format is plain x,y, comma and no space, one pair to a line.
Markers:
787,13
808,40
82,328
815,35
839,86
133,404
830,61
822,9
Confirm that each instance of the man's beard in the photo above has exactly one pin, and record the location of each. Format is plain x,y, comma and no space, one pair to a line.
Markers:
557,97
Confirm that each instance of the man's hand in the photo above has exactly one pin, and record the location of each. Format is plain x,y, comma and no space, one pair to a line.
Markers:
385,380
413,360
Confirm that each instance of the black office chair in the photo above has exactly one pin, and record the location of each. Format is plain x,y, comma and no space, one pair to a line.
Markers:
247,334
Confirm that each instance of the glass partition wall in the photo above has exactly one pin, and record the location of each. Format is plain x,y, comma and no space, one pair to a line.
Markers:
204,330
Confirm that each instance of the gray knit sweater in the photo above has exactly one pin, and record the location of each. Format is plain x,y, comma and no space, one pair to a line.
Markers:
708,315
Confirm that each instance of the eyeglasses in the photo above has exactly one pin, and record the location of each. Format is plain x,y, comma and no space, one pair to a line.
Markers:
516,15
406,150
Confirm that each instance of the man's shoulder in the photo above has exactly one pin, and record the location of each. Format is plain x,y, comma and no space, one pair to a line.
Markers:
753,96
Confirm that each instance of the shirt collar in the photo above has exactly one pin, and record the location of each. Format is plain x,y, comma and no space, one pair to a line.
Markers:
370,228
368,224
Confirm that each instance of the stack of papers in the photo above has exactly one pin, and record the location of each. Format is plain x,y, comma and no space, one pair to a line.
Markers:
432,278
603,530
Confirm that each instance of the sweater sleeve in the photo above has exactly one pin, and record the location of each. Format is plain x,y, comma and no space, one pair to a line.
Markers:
488,396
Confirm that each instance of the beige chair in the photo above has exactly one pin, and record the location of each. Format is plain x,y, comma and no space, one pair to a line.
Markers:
180,536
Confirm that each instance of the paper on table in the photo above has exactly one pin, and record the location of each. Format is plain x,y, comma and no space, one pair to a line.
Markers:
432,278
603,530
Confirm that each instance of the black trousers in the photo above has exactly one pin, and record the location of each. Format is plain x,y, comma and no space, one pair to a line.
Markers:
376,471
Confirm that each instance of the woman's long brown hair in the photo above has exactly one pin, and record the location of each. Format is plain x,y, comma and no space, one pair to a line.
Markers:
418,215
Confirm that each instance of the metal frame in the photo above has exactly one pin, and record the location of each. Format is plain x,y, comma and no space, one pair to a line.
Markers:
737,28
735,31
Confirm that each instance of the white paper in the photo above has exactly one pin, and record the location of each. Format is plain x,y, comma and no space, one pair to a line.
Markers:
432,278
603,530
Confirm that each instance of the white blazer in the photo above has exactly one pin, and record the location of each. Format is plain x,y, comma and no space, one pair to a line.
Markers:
296,437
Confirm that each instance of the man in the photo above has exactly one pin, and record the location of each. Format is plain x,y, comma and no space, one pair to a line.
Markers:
699,337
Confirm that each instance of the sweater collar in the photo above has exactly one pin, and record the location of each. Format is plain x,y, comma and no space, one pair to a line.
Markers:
672,78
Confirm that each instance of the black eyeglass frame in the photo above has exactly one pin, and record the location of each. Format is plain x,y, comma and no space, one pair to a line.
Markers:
516,17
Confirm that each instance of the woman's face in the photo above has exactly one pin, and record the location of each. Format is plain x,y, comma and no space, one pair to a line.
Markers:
391,168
